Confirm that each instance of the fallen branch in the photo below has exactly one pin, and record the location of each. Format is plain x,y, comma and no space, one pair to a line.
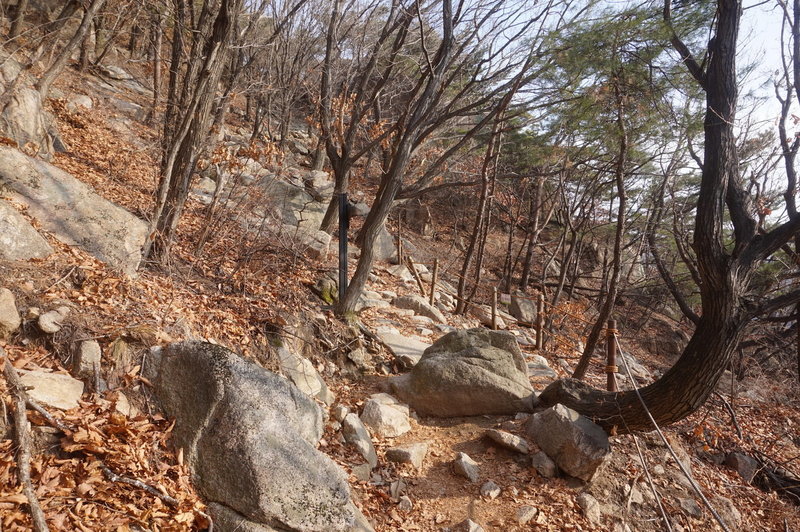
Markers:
21,425
113,477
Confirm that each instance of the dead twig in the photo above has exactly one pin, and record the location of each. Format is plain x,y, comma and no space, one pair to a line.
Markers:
113,477
21,425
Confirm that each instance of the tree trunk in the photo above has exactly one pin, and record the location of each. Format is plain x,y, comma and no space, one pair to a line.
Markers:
43,85
725,276
19,18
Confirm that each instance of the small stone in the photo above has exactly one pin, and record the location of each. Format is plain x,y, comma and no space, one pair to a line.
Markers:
87,358
633,493
124,407
490,489
591,508
50,322
339,412
659,470
356,434
33,313
544,465
412,453
508,440
746,466
396,489
9,316
526,514
405,504
467,525
362,472
466,467
691,507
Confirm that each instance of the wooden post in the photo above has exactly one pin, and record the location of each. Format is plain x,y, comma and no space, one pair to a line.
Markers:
611,349
399,240
410,263
433,280
494,308
540,323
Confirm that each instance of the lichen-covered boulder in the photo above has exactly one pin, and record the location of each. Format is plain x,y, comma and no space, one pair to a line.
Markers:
468,373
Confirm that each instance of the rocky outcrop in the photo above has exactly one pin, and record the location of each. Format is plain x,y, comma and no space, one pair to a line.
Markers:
72,211
18,239
577,445
468,373
24,119
232,417
420,307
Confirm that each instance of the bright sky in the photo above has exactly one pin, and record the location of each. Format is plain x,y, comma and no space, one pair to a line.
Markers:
759,43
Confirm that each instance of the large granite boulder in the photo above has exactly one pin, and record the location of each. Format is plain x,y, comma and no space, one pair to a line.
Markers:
468,373
576,444
18,239
250,438
72,211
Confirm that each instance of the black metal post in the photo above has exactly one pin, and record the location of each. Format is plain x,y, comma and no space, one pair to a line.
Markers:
344,227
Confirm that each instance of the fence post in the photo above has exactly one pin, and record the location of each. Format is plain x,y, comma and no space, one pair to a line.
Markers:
434,279
540,323
399,239
494,308
415,273
611,349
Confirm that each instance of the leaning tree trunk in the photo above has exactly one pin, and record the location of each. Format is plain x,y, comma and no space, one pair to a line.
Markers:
725,274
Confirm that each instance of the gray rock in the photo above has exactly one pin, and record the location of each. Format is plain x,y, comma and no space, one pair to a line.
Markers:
362,472
467,373
384,248
72,211
77,101
316,244
466,467
510,441
232,418
576,444
406,349
526,513
746,466
115,72
227,519
87,357
405,504
18,239
468,525
411,453
9,315
385,416
539,367
591,508
50,322
490,489
483,313
420,306
52,389
544,465
356,434
25,121
400,271
523,308
339,412
727,511
303,374
691,507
